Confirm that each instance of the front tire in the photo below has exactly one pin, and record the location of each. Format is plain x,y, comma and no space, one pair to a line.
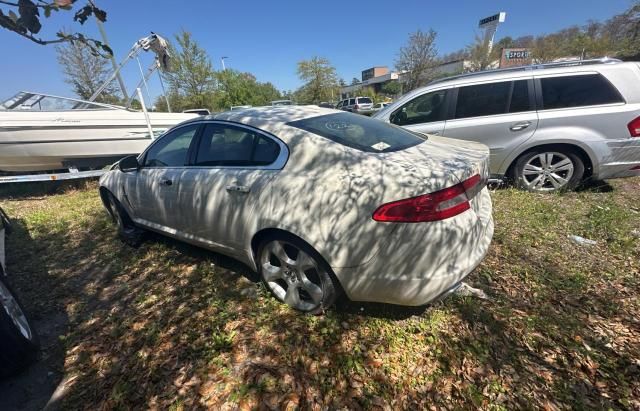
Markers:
127,230
548,171
296,274
19,344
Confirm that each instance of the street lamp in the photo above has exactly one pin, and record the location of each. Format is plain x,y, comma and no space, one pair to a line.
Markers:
222,62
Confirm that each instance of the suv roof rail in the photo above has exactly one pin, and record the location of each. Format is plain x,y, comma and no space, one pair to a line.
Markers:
567,63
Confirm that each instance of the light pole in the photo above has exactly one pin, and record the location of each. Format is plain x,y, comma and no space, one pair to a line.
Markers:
222,62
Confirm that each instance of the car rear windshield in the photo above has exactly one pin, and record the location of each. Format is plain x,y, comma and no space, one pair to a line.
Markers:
364,100
359,132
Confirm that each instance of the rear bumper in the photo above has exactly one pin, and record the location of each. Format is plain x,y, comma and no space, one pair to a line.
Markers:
420,262
617,158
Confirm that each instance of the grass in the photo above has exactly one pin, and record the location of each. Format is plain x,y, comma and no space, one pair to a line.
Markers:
172,326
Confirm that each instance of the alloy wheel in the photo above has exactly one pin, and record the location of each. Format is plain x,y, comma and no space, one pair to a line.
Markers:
14,311
292,275
548,171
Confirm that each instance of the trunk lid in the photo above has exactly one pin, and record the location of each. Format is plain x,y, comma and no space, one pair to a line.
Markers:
441,162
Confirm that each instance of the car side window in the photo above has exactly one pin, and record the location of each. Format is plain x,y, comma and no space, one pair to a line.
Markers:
578,91
426,108
352,101
171,150
483,99
520,97
225,145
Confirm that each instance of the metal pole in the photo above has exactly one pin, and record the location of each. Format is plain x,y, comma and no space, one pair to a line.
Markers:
146,114
113,60
144,78
222,62
164,92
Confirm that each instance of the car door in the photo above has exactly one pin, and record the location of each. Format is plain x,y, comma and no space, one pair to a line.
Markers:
499,114
425,113
226,182
153,190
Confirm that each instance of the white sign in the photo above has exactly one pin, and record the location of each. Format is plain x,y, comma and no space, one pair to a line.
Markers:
492,20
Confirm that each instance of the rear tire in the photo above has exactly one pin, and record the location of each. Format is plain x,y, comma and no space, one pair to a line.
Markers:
548,171
19,344
296,274
128,232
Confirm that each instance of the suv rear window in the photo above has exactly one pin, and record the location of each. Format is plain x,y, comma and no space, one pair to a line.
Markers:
364,100
359,132
578,91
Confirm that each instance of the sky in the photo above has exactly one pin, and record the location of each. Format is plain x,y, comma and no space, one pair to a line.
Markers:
268,38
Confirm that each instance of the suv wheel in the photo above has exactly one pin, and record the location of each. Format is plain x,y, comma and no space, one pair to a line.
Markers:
546,171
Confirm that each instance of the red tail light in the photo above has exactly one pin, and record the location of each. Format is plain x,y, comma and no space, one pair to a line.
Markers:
357,107
634,127
439,205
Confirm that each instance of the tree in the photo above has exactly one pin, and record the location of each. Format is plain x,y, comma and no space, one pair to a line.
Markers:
320,78
23,18
418,59
191,79
391,88
478,55
355,81
85,72
236,89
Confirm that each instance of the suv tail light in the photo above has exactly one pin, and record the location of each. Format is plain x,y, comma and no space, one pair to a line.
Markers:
357,107
440,205
634,127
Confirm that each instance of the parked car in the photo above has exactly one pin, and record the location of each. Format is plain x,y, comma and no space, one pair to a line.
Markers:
282,103
549,127
198,111
240,107
359,105
379,106
326,104
315,200
18,341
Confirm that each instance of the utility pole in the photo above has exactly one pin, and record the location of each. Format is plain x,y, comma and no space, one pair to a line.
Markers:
222,62
113,59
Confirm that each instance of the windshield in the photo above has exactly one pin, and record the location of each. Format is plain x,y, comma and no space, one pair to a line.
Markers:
359,132
41,102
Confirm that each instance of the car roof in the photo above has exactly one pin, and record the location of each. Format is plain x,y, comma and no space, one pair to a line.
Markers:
270,118
529,71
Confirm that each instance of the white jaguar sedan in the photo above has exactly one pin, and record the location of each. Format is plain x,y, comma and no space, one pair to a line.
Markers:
318,201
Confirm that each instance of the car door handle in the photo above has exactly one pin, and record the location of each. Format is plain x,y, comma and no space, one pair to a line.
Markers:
166,182
520,126
433,133
238,189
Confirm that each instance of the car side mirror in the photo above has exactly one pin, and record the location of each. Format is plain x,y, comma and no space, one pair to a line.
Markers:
129,163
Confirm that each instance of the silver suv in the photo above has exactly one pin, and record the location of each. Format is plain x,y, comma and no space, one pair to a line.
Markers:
360,105
549,127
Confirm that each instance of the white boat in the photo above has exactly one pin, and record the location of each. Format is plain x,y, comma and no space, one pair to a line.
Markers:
44,132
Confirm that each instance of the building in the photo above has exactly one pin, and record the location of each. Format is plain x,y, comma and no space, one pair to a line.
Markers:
374,78
374,72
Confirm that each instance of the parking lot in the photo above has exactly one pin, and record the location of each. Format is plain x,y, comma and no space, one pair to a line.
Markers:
169,325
